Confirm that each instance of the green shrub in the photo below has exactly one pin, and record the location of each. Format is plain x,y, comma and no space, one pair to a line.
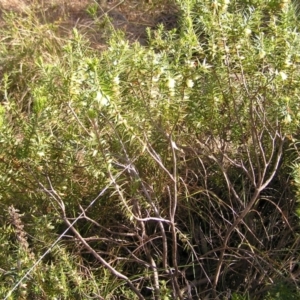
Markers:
173,161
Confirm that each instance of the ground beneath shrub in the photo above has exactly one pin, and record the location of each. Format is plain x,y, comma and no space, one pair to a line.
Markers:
92,18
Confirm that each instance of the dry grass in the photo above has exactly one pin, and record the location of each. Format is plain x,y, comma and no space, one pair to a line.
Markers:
130,16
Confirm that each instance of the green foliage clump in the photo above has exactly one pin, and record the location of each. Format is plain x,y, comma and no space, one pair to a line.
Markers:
158,172
283,291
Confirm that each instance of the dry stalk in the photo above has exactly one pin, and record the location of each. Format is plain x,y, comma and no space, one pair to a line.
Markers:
55,196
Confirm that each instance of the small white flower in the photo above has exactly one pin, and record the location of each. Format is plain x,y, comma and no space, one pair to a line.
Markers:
156,77
283,75
247,31
186,96
216,99
154,93
156,59
41,153
189,83
172,93
171,83
116,80
103,100
99,96
262,54
287,119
